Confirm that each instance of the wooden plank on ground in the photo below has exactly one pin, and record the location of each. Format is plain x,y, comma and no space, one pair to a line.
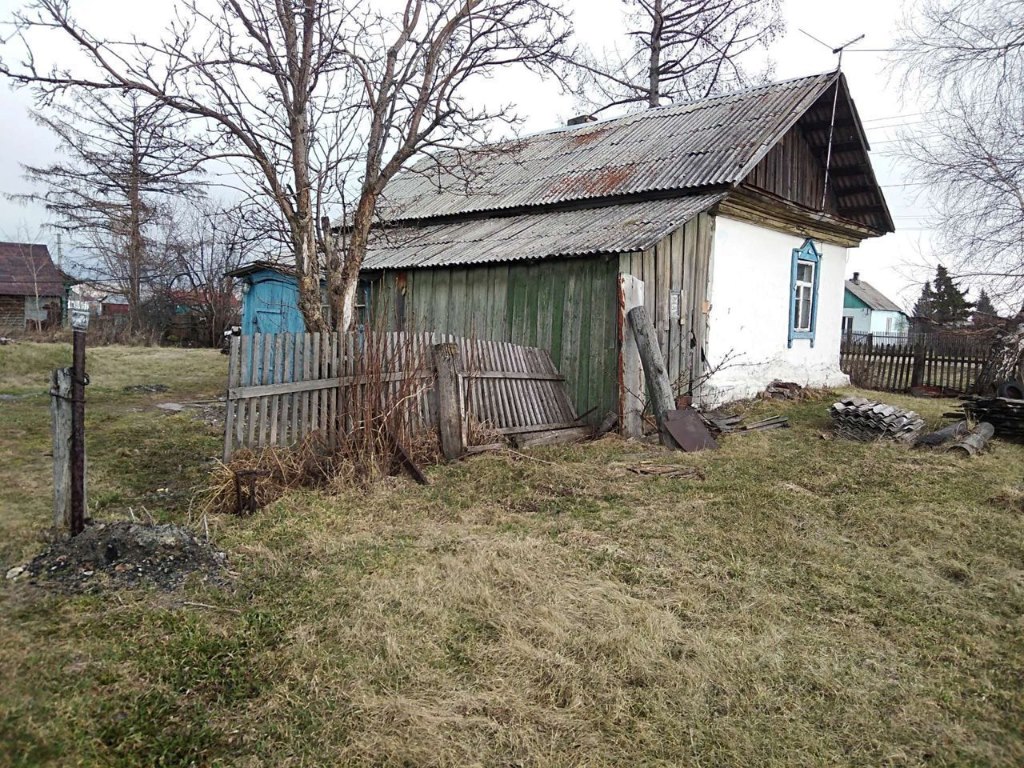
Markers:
552,437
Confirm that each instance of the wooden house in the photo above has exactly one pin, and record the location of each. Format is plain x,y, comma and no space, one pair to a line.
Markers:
721,207
32,289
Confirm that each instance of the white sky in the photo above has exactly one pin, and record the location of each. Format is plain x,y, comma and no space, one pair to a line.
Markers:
896,264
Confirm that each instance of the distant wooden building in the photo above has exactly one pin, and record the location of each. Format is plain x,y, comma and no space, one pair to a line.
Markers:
721,207
32,289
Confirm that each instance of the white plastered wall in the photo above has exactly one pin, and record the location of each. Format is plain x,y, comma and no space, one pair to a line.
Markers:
896,322
861,318
748,333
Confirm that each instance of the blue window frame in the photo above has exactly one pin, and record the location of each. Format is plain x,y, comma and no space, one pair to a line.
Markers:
803,292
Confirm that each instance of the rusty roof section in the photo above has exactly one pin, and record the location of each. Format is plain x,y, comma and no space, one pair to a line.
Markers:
622,228
679,148
26,269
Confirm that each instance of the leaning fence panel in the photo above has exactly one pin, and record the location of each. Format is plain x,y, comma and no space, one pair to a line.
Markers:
382,386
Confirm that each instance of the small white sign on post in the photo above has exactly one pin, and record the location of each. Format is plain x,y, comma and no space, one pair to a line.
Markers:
79,314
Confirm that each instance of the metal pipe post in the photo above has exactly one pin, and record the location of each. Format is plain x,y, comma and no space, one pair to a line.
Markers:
78,433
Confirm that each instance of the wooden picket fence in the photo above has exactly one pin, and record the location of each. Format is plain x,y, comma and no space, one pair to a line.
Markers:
896,363
284,387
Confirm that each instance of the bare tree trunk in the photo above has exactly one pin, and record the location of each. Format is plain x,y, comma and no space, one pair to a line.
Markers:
654,84
307,268
135,249
135,242
355,253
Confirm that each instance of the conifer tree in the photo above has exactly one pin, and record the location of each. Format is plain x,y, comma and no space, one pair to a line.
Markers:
949,304
925,302
984,305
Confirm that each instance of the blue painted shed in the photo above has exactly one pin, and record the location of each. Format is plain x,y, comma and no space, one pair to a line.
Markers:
270,299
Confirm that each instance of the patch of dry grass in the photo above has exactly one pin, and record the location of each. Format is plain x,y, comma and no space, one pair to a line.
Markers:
26,366
808,602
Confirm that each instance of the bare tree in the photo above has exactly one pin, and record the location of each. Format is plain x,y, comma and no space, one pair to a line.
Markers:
968,58
36,268
413,99
307,96
122,158
208,240
677,50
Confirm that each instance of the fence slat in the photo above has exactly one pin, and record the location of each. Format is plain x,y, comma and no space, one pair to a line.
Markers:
950,359
234,372
304,426
282,387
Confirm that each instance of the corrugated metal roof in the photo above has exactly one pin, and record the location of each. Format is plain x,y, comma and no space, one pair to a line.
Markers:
609,229
871,296
27,270
714,141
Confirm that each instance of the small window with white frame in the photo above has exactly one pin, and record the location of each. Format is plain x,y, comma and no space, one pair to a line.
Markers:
804,295
803,303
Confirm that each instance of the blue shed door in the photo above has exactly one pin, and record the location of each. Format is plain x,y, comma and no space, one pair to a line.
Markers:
270,321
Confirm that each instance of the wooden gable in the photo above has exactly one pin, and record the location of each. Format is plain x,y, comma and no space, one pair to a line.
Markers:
793,170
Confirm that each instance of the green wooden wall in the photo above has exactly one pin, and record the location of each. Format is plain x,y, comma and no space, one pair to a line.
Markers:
567,306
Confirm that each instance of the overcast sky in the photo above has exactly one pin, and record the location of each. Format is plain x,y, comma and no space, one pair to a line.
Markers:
896,264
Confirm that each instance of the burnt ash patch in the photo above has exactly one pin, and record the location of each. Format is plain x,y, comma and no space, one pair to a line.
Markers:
124,555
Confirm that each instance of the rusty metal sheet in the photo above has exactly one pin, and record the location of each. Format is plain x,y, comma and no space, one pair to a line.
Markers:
689,431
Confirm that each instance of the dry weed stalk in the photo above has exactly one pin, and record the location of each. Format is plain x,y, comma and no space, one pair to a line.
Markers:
273,471
391,402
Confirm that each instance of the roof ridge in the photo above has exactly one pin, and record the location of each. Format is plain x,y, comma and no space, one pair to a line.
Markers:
645,114
665,109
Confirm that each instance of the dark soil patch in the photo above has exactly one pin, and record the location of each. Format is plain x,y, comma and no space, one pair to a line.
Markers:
125,554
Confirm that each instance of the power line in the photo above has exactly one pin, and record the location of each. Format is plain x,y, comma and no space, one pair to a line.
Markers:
907,184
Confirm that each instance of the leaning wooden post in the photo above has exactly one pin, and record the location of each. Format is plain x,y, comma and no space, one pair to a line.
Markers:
654,369
631,375
446,362
60,411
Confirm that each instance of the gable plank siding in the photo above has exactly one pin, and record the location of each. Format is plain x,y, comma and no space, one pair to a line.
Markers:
793,171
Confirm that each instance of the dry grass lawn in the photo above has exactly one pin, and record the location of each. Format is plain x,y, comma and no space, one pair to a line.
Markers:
810,602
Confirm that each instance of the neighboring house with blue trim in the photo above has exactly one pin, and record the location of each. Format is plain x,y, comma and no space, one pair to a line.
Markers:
731,210
867,311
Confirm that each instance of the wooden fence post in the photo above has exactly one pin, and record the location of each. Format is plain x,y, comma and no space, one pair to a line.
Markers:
631,374
60,411
920,351
446,361
654,369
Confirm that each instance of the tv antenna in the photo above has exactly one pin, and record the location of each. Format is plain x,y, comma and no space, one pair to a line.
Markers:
838,51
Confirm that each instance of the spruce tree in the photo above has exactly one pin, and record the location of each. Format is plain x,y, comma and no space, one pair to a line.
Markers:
949,304
925,303
984,305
